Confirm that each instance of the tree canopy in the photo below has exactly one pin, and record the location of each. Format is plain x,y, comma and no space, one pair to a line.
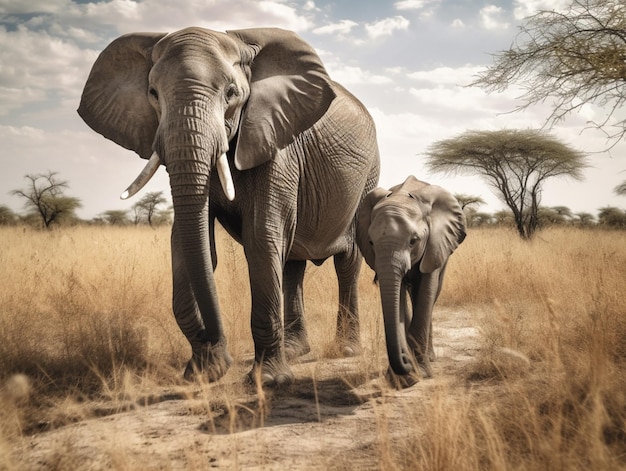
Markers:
575,56
515,163
147,208
45,198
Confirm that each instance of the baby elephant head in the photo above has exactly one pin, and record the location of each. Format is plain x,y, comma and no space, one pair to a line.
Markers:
406,235
411,223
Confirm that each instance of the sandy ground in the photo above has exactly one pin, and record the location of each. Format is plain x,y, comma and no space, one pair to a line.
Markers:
333,417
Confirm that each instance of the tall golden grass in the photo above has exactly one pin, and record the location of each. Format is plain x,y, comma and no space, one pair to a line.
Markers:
85,313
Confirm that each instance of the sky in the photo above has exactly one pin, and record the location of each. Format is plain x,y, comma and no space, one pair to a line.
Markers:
408,61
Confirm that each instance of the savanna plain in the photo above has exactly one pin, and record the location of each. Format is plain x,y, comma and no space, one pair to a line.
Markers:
531,368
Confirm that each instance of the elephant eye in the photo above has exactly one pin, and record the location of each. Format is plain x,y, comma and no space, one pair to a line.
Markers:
413,241
154,93
231,92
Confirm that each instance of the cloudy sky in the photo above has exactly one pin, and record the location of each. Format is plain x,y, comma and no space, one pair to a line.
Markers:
408,61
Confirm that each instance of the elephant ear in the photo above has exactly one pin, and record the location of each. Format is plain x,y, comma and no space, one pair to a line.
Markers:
114,102
447,225
289,92
364,219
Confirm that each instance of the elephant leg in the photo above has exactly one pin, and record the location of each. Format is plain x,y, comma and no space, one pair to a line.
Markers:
296,339
266,273
348,266
210,358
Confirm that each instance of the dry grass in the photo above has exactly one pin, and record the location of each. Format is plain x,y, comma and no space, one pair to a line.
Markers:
86,326
547,390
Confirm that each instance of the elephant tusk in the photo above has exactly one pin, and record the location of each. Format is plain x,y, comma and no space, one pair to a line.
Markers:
144,177
226,178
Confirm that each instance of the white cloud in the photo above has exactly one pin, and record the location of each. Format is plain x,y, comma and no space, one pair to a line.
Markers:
124,16
491,17
342,27
15,7
386,27
458,23
36,61
524,8
412,4
352,75
447,75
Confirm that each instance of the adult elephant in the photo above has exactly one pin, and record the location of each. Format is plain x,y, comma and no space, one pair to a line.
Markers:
295,153
406,235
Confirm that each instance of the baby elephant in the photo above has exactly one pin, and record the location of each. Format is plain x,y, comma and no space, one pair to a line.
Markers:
406,235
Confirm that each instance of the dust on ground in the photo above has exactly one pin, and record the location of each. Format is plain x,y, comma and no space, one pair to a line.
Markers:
333,417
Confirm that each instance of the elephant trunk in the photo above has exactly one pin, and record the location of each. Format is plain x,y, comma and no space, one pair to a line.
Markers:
192,149
391,267
191,215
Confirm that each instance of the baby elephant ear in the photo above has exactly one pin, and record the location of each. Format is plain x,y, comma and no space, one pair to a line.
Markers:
447,227
289,92
364,219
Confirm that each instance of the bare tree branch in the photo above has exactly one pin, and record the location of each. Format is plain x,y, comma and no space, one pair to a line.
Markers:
574,57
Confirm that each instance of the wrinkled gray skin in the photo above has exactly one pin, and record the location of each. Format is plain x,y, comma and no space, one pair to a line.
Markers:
406,235
302,152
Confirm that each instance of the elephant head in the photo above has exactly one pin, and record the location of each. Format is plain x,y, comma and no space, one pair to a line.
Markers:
185,99
412,226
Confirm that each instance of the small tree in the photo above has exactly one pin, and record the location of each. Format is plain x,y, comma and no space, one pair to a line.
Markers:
584,219
7,216
612,217
44,197
515,162
620,190
116,217
554,215
469,201
147,207
469,204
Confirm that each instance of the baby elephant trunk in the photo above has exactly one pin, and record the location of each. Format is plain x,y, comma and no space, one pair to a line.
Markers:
395,310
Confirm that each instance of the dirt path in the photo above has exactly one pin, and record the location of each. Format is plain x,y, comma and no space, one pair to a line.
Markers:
334,417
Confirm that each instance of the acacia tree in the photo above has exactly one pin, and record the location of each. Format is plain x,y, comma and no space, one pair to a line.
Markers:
44,196
148,207
515,163
116,217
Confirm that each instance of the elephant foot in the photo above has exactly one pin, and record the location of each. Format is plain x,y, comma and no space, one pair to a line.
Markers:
272,373
296,346
402,381
431,355
341,348
425,368
209,361
350,350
